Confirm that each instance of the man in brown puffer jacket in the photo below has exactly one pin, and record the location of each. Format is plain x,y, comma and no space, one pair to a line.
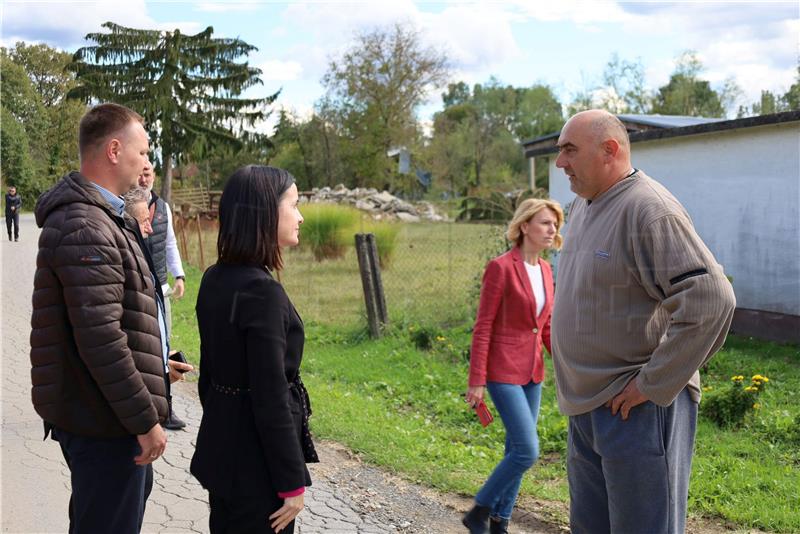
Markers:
98,365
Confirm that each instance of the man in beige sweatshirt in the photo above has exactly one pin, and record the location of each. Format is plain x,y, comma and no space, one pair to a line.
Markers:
640,305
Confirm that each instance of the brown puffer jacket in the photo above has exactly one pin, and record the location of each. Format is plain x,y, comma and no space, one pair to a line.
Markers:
97,367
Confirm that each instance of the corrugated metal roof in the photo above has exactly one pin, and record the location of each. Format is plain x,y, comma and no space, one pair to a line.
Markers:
667,121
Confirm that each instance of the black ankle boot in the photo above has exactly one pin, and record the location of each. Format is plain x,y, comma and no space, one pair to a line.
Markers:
498,525
476,519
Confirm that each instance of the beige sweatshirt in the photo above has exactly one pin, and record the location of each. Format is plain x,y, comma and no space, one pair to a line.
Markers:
638,294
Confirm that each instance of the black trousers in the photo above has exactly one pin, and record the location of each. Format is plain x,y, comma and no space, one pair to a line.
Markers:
108,489
247,514
12,219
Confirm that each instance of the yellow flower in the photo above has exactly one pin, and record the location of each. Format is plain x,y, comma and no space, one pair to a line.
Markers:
750,389
756,406
738,378
440,338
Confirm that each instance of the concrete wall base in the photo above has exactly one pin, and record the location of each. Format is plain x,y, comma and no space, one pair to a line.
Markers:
766,325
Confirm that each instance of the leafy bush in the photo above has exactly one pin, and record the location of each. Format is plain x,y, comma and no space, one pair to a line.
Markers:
326,229
423,336
729,406
385,238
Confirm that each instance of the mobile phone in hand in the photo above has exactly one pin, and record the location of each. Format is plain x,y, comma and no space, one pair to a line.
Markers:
484,415
178,357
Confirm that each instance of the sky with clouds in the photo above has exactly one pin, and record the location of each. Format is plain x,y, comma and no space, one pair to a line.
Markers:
565,44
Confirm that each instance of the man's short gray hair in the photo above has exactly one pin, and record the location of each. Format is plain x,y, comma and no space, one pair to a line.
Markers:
134,196
607,125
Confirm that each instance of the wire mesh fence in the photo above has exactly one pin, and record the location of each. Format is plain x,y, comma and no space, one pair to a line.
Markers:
432,276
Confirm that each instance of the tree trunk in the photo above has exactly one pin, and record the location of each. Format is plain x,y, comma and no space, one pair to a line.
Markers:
166,183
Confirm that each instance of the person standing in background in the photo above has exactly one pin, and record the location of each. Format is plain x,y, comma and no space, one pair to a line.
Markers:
13,207
506,358
163,248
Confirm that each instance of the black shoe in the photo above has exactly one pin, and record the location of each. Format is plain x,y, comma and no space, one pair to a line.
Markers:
9,237
476,520
498,525
16,239
173,422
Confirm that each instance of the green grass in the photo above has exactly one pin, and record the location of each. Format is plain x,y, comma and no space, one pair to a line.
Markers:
401,407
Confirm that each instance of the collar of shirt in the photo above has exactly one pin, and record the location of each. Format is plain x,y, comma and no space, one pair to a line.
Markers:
116,202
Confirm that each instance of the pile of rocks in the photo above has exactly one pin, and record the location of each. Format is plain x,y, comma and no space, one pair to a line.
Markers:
379,204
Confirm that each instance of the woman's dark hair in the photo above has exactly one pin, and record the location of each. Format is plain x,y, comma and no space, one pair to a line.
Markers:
248,216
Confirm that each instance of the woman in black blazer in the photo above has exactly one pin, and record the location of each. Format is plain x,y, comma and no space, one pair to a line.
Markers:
253,442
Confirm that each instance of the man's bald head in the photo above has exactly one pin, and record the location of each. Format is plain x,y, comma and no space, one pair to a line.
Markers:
602,125
594,151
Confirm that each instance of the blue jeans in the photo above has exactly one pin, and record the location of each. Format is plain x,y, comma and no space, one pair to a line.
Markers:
518,406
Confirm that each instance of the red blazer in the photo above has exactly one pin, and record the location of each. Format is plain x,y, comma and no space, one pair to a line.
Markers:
507,338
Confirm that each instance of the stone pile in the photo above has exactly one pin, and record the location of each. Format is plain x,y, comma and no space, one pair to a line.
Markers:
379,204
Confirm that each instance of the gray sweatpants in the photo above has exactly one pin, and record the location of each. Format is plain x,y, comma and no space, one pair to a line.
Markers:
631,477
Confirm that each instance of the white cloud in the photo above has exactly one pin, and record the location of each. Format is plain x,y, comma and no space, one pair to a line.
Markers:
754,43
64,24
580,12
463,31
227,7
277,70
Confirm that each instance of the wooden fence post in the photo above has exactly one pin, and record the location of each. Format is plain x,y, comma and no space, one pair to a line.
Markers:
200,243
380,297
369,267
183,238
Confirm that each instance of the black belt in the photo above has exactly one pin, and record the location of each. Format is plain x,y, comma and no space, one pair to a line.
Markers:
229,390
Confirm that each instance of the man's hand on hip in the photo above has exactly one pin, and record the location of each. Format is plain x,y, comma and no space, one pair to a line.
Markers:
153,444
629,398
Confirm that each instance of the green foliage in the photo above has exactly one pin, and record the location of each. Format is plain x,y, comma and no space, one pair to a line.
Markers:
328,229
496,207
16,166
372,92
422,336
476,138
39,134
729,406
686,94
187,87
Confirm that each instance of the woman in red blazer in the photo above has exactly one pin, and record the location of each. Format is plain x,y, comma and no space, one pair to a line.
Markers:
506,358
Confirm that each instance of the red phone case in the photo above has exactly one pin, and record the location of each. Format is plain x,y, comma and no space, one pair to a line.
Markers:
484,415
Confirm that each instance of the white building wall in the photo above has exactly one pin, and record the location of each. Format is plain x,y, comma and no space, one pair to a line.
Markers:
742,189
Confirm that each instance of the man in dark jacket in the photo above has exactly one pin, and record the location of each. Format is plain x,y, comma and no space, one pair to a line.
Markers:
13,207
97,349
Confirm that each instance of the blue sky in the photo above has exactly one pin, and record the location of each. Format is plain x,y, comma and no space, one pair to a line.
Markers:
565,44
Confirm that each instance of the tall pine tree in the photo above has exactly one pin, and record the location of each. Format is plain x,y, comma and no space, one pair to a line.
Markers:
187,87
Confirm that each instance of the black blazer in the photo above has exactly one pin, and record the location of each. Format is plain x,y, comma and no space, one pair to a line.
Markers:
251,345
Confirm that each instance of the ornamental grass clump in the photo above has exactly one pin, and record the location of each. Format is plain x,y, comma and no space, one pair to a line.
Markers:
729,406
385,239
327,229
